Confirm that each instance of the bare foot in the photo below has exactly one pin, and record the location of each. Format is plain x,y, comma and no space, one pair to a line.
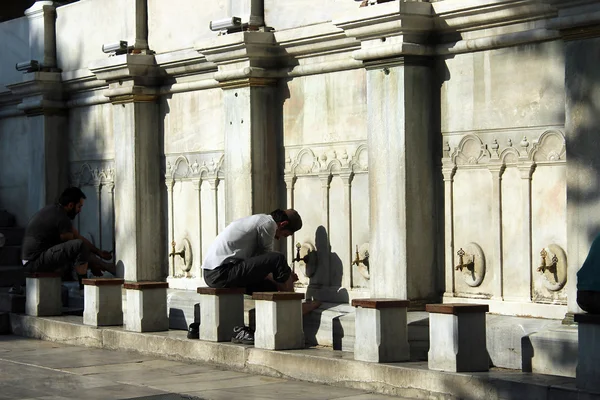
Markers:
310,305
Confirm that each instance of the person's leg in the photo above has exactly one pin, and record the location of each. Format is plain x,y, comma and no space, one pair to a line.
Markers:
253,272
72,253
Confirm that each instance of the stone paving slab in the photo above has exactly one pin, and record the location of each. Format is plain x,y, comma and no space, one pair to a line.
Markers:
34,369
324,366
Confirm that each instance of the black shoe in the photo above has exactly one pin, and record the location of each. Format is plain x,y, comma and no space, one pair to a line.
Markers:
17,289
243,335
194,331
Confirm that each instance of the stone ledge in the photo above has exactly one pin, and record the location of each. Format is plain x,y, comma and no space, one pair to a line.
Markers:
380,303
219,291
274,296
458,308
407,379
145,285
103,282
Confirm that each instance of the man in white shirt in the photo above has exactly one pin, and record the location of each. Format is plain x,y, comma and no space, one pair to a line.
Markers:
242,255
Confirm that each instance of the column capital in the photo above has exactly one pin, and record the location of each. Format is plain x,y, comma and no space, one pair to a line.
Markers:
130,77
526,169
390,30
497,170
243,58
40,93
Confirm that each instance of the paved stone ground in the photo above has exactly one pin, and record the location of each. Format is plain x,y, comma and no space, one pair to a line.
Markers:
34,369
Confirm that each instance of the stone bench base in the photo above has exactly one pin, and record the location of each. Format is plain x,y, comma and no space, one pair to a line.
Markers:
381,330
278,320
220,311
43,294
103,305
588,362
146,306
457,337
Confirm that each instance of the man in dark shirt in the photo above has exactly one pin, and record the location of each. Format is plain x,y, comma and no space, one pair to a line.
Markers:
52,244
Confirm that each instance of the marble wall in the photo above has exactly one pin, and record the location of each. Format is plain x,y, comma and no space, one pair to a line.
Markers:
14,167
14,47
505,174
83,27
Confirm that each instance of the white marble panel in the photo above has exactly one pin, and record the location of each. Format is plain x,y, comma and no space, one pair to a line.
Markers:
294,13
326,108
360,223
339,263
88,219
14,167
548,222
516,275
14,47
193,121
308,201
192,22
107,218
472,218
91,134
83,27
208,216
511,87
185,225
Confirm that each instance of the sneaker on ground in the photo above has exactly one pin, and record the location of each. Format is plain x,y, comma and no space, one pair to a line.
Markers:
243,335
194,331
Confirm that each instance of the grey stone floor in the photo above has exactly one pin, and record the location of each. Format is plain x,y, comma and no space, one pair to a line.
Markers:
34,369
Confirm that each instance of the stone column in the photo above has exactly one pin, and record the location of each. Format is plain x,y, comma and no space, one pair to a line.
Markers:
448,170
41,100
402,242
251,142
497,170
526,171
582,128
401,169
138,223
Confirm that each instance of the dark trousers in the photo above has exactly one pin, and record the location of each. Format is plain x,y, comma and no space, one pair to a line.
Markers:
60,258
250,273
589,301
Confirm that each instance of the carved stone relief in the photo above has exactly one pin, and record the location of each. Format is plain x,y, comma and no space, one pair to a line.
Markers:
498,151
195,178
333,168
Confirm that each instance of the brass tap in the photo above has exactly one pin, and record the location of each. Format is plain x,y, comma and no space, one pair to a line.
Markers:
179,253
461,263
298,258
357,259
544,266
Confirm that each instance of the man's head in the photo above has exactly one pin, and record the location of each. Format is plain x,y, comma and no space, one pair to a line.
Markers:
72,201
288,222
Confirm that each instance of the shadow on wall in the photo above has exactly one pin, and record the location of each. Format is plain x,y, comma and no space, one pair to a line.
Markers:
326,283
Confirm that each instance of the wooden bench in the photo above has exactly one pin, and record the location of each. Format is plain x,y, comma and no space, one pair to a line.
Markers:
146,306
588,360
102,302
278,320
457,337
381,330
43,294
221,309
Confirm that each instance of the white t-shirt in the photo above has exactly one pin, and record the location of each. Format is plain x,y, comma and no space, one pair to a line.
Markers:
244,238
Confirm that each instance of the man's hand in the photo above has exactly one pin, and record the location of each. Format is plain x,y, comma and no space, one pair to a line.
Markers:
105,255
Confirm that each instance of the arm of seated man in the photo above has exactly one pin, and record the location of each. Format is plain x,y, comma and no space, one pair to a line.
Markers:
74,234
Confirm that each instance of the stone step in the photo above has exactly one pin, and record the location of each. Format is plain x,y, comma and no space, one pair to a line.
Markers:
11,274
13,303
10,255
4,323
13,236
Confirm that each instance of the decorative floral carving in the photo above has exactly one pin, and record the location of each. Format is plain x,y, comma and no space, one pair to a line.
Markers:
343,158
195,165
92,173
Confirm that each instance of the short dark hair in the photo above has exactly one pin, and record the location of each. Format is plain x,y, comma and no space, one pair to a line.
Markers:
70,195
292,216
